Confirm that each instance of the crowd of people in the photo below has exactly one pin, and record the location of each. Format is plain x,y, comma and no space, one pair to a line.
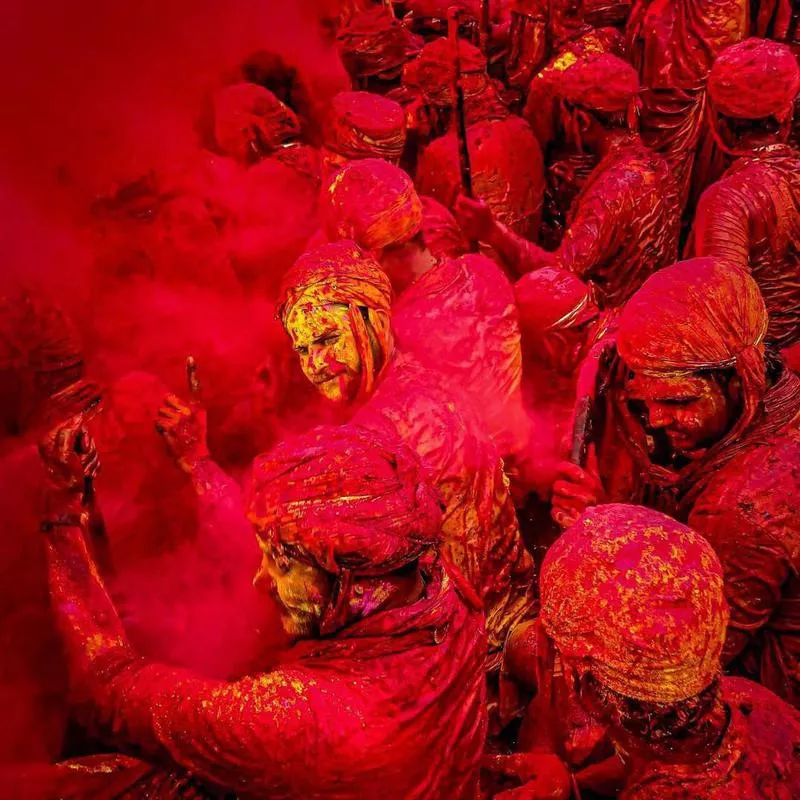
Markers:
512,451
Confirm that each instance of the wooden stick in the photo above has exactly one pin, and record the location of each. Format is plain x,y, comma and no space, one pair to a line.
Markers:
460,118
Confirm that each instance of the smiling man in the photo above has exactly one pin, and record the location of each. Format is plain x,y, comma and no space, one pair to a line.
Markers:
713,423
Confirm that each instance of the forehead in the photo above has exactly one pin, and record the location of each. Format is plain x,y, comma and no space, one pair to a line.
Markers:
640,386
307,321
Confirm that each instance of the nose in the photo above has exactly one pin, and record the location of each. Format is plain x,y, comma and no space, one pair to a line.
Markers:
317,357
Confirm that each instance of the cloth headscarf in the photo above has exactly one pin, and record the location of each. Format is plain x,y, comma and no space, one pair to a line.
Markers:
248,115
602,82
640,596
699,314
365,125
375,43
373,203
435,71
552,299
753,79
341,273
347,501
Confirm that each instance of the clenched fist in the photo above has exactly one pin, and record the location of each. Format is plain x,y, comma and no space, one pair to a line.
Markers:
184,428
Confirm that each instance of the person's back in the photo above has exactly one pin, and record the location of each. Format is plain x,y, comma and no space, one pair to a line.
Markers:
757,756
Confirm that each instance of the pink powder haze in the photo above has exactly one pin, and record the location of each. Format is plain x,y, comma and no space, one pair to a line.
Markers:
98,96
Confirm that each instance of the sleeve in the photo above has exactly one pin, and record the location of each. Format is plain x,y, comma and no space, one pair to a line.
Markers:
235,735
721,224
754,560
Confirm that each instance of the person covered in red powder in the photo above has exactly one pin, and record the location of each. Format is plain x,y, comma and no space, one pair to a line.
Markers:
349,532
362,125
751,217
336,308
624,224
505,158
712,422
374,46
633,619
673,45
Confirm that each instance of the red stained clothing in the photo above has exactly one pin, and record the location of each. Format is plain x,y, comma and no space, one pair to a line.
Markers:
623,227
757,756
507,171
481,531
391,705
751,217
673,44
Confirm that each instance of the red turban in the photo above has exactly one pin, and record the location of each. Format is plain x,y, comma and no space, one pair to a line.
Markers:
248,116
552,299
372,202
699,314
639,596
435,72
753,79
340,272
601,82
365,125
374,42
346,500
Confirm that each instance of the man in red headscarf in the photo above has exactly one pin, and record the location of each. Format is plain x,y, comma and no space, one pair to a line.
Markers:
362,125
505,158
624,223
673,45
349,531
635,607
336,307
751,217
713,426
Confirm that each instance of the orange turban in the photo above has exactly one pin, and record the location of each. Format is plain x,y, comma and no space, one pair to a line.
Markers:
372,202
249,119
641,597
341,273
365,125
552,299
753,79
345,500
602,82
699,314
435,73
375,42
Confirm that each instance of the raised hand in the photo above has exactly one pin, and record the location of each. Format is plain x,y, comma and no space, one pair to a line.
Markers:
184,429
70,455
475,218
574,490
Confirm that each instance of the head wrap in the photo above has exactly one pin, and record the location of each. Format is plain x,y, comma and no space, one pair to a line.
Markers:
372,202
753,79
440,231
365,125
699,314
374,42
346,500
639,596
602,82
340,272
552,299
246,113
435,71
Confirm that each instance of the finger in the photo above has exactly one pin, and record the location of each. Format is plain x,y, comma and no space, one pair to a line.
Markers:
169,414
173,401
569,471
576,494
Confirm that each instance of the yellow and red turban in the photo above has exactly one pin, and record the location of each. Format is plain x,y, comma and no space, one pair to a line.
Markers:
699,314
552,299
640,598
244,111
753,79
345,500
602,82
341,273
374,42
365,125
373,203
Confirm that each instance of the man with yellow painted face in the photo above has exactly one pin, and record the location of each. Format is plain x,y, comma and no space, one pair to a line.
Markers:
711,420
382,693
336,306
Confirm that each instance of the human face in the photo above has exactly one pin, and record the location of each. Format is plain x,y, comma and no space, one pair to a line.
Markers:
302,590
326,346
693,411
